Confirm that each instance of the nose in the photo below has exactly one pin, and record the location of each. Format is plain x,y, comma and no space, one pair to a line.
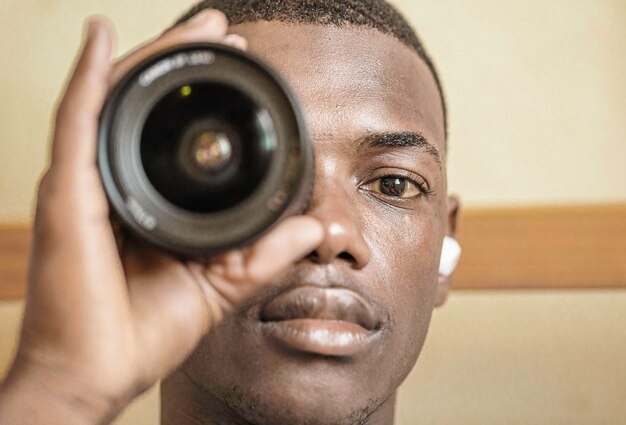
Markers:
343,235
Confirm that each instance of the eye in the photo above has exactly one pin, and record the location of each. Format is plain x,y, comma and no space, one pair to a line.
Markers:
396,187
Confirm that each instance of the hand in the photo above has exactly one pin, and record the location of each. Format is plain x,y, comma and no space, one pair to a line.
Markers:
104,322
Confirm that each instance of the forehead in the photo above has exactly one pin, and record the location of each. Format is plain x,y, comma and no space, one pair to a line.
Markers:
351,80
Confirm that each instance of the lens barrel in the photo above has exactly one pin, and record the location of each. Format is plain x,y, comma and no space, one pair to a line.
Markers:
202,149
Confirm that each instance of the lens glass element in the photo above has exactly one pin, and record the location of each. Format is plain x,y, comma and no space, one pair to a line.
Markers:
206,147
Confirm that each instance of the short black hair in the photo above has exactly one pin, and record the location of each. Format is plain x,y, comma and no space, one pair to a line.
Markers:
376,14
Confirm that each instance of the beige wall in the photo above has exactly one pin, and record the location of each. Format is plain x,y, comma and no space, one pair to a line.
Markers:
537,96
537,93
38,41
549,358
536,88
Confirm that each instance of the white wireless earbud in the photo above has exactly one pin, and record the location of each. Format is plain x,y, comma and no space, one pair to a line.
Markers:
450,254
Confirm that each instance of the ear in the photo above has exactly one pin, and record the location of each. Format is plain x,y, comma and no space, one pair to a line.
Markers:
445,282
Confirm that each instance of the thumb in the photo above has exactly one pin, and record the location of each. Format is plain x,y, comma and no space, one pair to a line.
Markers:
240,274
74,142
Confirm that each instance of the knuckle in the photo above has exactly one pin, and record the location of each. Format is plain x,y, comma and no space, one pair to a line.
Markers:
68,107
61,110
49,205
47,187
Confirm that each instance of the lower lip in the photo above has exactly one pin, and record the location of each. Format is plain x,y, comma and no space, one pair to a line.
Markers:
323,337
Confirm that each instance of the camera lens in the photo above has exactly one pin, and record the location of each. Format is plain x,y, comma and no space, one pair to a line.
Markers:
202,149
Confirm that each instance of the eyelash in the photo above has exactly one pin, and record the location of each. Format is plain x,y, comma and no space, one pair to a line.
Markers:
422,187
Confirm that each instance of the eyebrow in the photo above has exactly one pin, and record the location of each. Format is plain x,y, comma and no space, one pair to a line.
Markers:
404,139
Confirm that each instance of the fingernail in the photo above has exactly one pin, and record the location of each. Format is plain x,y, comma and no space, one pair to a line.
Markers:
199,17
89,29
98,31
235,40
314,230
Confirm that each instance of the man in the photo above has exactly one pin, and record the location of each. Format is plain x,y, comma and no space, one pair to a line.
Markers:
320,320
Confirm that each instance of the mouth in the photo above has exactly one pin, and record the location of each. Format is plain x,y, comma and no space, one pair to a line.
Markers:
325,321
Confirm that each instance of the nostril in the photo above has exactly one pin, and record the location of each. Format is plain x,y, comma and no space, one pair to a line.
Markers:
314,257
346,256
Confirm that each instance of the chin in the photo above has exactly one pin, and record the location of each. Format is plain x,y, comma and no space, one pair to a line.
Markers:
267,384
307,390
302,406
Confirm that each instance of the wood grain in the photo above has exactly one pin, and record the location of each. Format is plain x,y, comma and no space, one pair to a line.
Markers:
551,247
569,247
14,244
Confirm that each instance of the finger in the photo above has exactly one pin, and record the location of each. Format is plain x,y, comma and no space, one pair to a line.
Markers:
206,26
265,260
292,240
236,41
237,276
74,142
119,233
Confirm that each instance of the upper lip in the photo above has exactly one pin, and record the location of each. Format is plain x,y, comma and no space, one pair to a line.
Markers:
323,303
322,293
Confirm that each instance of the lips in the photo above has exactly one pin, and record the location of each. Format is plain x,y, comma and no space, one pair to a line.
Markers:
321,320
309,302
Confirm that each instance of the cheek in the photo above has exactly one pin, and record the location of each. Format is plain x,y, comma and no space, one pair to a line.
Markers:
404,255
404,246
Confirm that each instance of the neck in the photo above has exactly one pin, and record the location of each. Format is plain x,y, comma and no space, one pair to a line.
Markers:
184,403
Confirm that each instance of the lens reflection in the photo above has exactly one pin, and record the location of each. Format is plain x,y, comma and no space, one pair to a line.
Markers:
204,147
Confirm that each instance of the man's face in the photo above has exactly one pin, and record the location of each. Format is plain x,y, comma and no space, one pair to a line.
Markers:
361,305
